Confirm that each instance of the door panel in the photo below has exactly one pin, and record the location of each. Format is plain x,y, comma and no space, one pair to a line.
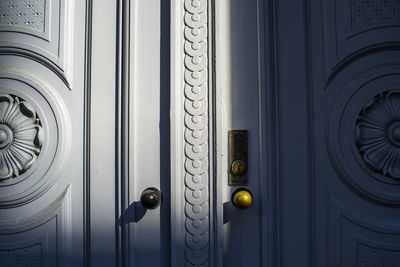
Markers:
102,136
325,131
42,95
238,89
337,114
149,98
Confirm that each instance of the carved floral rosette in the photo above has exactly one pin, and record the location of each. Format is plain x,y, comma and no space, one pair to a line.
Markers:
21,136
378,134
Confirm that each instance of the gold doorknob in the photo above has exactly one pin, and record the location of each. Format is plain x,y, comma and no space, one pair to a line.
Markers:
242,199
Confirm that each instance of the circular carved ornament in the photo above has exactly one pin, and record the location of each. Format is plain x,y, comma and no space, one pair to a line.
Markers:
363,134
378,134
35,131
20,136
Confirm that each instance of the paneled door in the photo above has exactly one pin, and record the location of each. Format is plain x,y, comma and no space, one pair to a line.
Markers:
316,84
51,103
200,133
42,165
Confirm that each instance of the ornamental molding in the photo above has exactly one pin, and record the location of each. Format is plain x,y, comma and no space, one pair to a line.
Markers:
378,134
21,136
29,14
365,13
196,133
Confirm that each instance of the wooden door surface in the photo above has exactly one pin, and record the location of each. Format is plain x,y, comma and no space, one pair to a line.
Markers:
101,100
316,83
42,52
337,114
49,150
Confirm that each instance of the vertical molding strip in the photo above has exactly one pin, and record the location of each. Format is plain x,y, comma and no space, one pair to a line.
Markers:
270,183
191,231
216,249
310,134
197,212
87,132
122,143
177,138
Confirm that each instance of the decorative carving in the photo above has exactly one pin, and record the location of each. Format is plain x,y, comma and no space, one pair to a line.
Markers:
41,239
28,256
378,134
357,239
20,136
360,120
370,256
23,13
355,28
369,12
196,134
40,30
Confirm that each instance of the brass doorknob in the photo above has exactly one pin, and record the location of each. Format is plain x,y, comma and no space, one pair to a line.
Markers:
151,198
242,198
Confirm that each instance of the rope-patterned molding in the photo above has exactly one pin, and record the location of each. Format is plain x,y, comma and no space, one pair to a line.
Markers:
196,134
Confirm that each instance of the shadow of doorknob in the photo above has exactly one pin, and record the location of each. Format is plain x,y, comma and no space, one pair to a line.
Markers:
151,198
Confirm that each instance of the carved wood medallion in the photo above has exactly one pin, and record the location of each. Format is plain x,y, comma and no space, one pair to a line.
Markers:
20,136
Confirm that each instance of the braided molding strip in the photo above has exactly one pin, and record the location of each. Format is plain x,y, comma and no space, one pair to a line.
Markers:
196,134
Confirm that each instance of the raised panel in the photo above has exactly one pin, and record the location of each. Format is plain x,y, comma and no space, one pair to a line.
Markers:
356,240
39,29
25,254
375,255
38,240
372,14
355,28
25,16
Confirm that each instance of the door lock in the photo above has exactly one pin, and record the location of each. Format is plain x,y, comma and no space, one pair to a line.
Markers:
239,168
238,140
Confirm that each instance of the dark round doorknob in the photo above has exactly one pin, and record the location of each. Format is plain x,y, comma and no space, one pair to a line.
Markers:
242,198
151,198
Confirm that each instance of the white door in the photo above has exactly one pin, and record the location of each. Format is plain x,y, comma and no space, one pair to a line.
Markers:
42,129
52,167
84,130
101,100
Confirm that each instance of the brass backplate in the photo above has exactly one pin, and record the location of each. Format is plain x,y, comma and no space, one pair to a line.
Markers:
238,162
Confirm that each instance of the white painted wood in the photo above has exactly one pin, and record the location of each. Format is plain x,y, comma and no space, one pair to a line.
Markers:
144,120
69,74
238,108
191,181
45,28
42,206
177,139
103,184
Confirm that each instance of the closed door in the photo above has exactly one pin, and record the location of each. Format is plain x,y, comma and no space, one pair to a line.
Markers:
199,133
336,90
43,126
316,84
58,133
